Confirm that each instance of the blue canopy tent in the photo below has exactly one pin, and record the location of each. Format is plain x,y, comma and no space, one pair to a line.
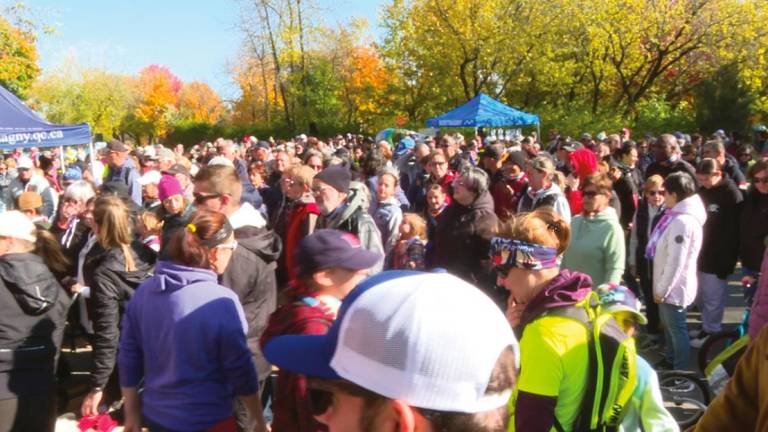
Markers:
484,111
20,127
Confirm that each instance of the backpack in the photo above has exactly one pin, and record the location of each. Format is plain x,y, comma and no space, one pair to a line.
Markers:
612,374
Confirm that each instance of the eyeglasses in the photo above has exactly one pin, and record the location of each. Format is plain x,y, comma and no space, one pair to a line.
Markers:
589,194
656,192
319,189
762,180
231,246
444,163
502,270
316,167
288,181
203,198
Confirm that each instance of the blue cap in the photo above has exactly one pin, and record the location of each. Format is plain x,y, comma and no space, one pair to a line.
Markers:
330,248
405,144
73,173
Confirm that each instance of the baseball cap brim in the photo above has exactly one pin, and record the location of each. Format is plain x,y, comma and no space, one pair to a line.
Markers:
357,259
621,308
303,354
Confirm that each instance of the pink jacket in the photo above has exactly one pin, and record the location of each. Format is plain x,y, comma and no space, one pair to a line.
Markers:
758,317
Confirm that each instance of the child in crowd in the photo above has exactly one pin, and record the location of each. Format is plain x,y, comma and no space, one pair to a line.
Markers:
388,214
409,252
175,210
646,406
149,227
436,204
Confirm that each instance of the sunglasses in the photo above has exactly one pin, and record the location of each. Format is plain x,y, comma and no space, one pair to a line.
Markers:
231,246
321,392
203,198
656,192
762,180
589,194
502,270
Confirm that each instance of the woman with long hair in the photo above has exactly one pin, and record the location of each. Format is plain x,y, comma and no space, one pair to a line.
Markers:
33,308
184,334
114,267
555,355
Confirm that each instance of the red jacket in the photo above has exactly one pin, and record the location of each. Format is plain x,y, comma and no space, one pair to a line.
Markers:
296,229
291,406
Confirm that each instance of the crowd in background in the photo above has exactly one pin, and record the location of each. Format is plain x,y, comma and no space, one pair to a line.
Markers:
236,243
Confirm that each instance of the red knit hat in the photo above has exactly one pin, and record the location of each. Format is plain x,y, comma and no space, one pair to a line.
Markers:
169,187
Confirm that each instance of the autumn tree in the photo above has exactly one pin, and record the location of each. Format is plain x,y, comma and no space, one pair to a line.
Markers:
18,57
199,103
158,90
94,96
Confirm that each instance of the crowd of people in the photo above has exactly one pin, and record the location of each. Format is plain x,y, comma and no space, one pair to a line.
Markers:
197,273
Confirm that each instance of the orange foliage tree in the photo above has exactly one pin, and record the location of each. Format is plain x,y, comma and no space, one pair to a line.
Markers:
199,103
159,91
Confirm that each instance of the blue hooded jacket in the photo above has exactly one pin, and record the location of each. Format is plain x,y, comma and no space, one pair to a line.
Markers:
185,335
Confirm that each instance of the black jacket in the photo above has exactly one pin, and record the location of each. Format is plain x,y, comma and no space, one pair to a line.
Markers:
627,190
72,240
754,229
111,288
251,275
462,240
720,245
33,309
666,168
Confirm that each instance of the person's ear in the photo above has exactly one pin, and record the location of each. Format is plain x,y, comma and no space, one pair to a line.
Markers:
213,256
406,418
226,199
323,278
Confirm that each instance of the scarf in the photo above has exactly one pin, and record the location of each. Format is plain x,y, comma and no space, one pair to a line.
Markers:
658,231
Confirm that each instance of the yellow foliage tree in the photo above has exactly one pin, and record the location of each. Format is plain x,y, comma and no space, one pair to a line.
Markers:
198,102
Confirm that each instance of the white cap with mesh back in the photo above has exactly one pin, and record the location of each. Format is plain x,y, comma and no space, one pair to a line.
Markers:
429,339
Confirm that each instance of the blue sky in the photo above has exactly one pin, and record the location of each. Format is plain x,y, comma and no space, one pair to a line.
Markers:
196,39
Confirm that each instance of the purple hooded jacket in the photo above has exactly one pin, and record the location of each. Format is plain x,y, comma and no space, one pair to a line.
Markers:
185,335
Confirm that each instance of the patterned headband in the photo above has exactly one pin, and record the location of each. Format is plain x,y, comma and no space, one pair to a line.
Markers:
519,254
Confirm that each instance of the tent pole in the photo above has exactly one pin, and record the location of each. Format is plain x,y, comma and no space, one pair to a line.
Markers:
61,158
92,151
538,133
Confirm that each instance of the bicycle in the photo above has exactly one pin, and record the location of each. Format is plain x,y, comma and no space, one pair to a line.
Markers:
685,395
721,351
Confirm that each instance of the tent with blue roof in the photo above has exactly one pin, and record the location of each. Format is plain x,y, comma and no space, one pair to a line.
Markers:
20,127
483,111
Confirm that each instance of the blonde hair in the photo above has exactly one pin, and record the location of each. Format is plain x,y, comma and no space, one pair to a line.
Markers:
418,225
111,215
654,181
301,174
542,226
152,221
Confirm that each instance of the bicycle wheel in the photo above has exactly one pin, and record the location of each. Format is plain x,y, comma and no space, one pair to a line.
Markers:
685,396
714,345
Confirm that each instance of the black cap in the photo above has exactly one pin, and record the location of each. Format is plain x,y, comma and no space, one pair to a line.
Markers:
116,146
329,248
177,169
336,176
493,151
517,158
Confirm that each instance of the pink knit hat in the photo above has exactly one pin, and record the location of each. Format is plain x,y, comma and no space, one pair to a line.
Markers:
169,187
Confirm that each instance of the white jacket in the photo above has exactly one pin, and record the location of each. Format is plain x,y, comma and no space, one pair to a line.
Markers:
674,265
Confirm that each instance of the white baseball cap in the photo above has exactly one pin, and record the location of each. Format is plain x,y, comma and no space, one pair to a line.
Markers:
429,339
24,162
150,177
14,224
220,160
